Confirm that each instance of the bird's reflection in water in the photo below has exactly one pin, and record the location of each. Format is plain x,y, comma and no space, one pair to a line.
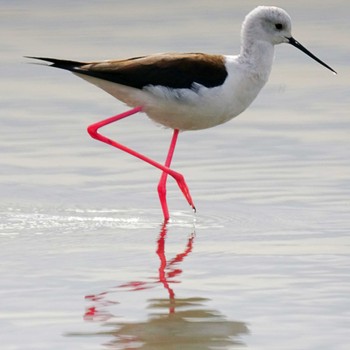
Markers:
193,326
173,323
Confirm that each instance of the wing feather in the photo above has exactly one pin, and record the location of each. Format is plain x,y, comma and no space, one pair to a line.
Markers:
169,70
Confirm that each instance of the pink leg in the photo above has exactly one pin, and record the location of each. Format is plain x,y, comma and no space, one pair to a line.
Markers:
93,131
162,181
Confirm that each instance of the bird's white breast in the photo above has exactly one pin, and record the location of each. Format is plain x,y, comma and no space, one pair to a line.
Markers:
204,107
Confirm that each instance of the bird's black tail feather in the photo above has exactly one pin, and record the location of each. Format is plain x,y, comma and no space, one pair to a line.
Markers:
57,63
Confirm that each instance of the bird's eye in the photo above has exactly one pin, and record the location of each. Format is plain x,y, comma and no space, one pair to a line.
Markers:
278,26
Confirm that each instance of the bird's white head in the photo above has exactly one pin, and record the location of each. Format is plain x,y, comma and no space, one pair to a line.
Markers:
268,24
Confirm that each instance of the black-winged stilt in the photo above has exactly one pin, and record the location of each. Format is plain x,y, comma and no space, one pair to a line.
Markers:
190,91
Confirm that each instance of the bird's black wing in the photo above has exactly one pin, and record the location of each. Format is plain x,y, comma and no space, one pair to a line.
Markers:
169,70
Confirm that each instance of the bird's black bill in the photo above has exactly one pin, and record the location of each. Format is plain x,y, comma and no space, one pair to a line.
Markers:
295,43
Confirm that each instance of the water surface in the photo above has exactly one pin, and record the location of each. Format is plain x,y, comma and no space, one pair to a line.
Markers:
86,261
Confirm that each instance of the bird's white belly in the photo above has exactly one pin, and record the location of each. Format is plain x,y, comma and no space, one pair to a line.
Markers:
186,109
202,108
189,110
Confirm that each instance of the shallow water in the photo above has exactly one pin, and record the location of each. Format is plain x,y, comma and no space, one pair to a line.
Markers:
86,261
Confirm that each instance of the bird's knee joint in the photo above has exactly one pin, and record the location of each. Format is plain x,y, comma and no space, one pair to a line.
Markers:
92,130
161,190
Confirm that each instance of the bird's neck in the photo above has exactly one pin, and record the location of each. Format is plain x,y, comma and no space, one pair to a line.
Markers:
258,56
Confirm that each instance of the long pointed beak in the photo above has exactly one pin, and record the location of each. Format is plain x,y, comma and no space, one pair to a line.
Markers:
295,43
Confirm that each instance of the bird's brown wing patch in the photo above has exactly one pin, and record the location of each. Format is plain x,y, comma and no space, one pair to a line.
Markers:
168,70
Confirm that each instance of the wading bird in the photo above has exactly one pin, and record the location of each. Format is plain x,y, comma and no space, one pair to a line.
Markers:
189,91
